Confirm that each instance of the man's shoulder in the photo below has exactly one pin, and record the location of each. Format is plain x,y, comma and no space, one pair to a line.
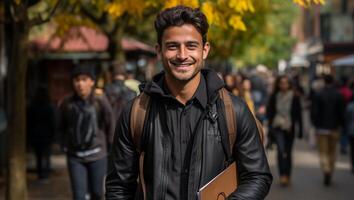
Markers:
237,101
67,99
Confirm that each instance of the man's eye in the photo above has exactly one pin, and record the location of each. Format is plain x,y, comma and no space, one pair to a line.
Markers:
172,47
192,47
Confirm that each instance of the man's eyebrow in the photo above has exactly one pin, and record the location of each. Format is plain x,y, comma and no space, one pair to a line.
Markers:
171,42
193,42
187,42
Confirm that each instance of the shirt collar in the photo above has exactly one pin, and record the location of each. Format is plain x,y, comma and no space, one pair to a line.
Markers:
200,94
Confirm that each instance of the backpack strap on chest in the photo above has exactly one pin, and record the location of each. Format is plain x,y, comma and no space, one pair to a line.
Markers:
230,116
137,117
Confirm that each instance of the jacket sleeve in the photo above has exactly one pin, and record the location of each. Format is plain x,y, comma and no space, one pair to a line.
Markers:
123,169
254,175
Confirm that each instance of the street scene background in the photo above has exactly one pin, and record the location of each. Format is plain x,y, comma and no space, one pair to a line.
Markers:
253,42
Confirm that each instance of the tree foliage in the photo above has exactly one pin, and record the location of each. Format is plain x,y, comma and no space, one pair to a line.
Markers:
232,21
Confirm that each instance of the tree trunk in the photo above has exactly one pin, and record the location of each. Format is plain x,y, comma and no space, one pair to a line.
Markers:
115,48
115,37
16,134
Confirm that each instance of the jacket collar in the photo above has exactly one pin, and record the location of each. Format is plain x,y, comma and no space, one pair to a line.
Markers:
212,83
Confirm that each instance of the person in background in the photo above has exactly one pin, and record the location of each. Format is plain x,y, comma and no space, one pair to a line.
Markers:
118,94
233,83
349,127
347,94
131,82
327,115
284,115
41,130
247,94
86,124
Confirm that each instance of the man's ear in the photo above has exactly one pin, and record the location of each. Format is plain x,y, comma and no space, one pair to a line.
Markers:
206,49
158,49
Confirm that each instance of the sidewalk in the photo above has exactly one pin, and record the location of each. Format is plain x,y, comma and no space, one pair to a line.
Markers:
57,187
307,178
307,183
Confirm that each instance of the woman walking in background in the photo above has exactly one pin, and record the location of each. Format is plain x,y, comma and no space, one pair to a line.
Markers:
284,114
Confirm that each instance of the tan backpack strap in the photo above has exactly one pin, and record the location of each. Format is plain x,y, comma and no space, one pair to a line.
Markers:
230,116
137,117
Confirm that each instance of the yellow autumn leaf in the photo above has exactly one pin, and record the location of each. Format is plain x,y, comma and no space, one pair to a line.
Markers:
190,3
307,3
212,15
171,3
236,22
241,6
114,9
134,7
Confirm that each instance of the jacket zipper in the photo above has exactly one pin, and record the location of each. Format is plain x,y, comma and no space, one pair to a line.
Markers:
164,166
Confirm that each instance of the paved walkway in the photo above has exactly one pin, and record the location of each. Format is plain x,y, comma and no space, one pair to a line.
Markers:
306,179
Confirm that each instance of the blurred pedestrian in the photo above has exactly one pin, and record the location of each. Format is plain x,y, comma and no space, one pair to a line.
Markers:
41,130
247,94
118,94
327,115
285,117
349,129
131,82
233,83
87,128
347,94
259,95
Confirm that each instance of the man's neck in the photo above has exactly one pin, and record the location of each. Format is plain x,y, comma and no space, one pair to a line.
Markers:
84,97
183,91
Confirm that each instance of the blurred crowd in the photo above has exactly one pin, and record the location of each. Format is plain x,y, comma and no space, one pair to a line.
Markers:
280,102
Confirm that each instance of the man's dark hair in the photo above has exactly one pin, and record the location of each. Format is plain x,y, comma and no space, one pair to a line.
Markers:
83,69
178,16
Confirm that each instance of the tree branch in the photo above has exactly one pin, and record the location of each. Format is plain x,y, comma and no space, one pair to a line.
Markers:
119,23
92,17
39,20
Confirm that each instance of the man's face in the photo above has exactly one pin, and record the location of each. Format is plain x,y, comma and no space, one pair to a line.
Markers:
284,84
83,85
182,52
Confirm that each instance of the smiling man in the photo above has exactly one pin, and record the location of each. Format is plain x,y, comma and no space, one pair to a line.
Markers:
183,133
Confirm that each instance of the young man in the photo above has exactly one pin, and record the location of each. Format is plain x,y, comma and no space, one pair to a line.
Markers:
328,116
87,127
182,137
117,93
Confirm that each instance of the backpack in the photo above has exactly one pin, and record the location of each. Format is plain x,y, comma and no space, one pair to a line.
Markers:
83,125
141,107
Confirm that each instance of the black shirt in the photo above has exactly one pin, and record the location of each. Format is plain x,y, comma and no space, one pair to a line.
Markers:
183,120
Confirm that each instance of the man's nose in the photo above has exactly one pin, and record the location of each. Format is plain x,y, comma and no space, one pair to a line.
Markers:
182,53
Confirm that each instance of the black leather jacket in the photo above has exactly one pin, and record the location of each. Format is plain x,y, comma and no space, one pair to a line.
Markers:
207,158
327,109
